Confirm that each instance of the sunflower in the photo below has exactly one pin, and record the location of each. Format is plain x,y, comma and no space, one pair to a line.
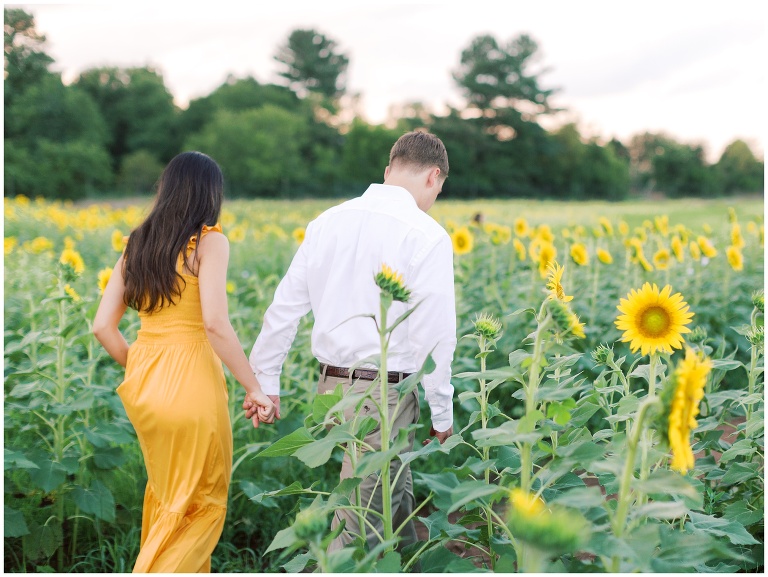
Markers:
521,226
682,232
117,241
498,234
735,258
653,320
639,255
104,275
695,250
661,259
504,234
678,248
555,530
681,402
525,503
298,234
579,254
604,256
737,239
72,293
39,244
462,240
566,321
662,224
72,258
533,249
623,228
391,281
707,249
236,234
556,290
546,255
10,244
544,232
519,248
606,224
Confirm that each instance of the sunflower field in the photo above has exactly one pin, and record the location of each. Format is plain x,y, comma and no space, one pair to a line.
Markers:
609,409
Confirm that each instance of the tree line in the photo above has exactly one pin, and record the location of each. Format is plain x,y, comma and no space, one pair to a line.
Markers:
113,129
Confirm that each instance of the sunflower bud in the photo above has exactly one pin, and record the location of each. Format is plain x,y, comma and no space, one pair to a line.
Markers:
488,326
698,335
758,299
565,319
602,354
391,282
554,531
756,336
310,523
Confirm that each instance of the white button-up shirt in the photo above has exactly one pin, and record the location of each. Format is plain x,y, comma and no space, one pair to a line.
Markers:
332,274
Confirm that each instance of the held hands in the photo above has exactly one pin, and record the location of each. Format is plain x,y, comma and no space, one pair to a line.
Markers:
260,408
440,436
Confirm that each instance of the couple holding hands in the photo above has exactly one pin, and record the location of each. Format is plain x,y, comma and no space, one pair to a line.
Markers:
173,272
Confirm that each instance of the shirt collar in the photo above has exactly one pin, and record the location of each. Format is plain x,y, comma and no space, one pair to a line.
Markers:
388,192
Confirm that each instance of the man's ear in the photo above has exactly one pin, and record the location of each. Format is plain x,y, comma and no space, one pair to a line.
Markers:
386,172
432,177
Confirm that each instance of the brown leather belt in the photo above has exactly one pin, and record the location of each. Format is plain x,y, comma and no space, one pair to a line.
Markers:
364,374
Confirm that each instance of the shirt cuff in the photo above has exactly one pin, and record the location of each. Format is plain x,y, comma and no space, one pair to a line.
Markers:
270,384
443,422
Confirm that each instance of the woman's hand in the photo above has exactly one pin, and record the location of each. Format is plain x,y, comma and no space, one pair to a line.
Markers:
260,407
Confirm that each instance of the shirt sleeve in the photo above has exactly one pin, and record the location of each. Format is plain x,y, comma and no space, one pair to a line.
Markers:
432,326
281,322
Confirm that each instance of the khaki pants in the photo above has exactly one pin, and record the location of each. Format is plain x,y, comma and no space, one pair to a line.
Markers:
370,489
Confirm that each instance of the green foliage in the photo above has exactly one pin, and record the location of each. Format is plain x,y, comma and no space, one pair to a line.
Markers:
739,170
496,145
496,76
311,63
365,153
139,172
138,108
25,62
235,95
258,149
60,456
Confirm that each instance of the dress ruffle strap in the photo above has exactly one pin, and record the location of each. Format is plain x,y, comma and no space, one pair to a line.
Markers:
206,229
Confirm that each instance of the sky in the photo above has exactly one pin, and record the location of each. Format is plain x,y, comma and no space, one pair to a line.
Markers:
694,70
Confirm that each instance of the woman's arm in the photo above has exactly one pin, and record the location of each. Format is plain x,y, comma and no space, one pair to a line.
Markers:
111,310
213,258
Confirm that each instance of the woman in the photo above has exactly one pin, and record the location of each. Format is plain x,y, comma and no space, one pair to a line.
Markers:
173,271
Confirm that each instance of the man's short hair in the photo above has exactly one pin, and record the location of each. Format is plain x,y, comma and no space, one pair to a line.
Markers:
421,150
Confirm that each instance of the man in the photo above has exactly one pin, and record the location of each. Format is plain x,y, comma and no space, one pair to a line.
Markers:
332,275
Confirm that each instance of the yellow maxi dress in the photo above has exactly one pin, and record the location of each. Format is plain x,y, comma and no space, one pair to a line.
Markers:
175,395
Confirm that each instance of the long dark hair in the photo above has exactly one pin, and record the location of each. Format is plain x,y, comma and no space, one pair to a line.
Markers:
189,195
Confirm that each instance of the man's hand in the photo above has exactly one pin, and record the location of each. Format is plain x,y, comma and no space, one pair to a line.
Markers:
250,408
441,436
261,408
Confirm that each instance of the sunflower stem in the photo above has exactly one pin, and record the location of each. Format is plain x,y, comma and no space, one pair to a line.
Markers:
386,495
619,520
530,398
648,434
484,348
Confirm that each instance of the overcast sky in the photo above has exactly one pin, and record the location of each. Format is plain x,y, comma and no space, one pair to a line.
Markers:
693,69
